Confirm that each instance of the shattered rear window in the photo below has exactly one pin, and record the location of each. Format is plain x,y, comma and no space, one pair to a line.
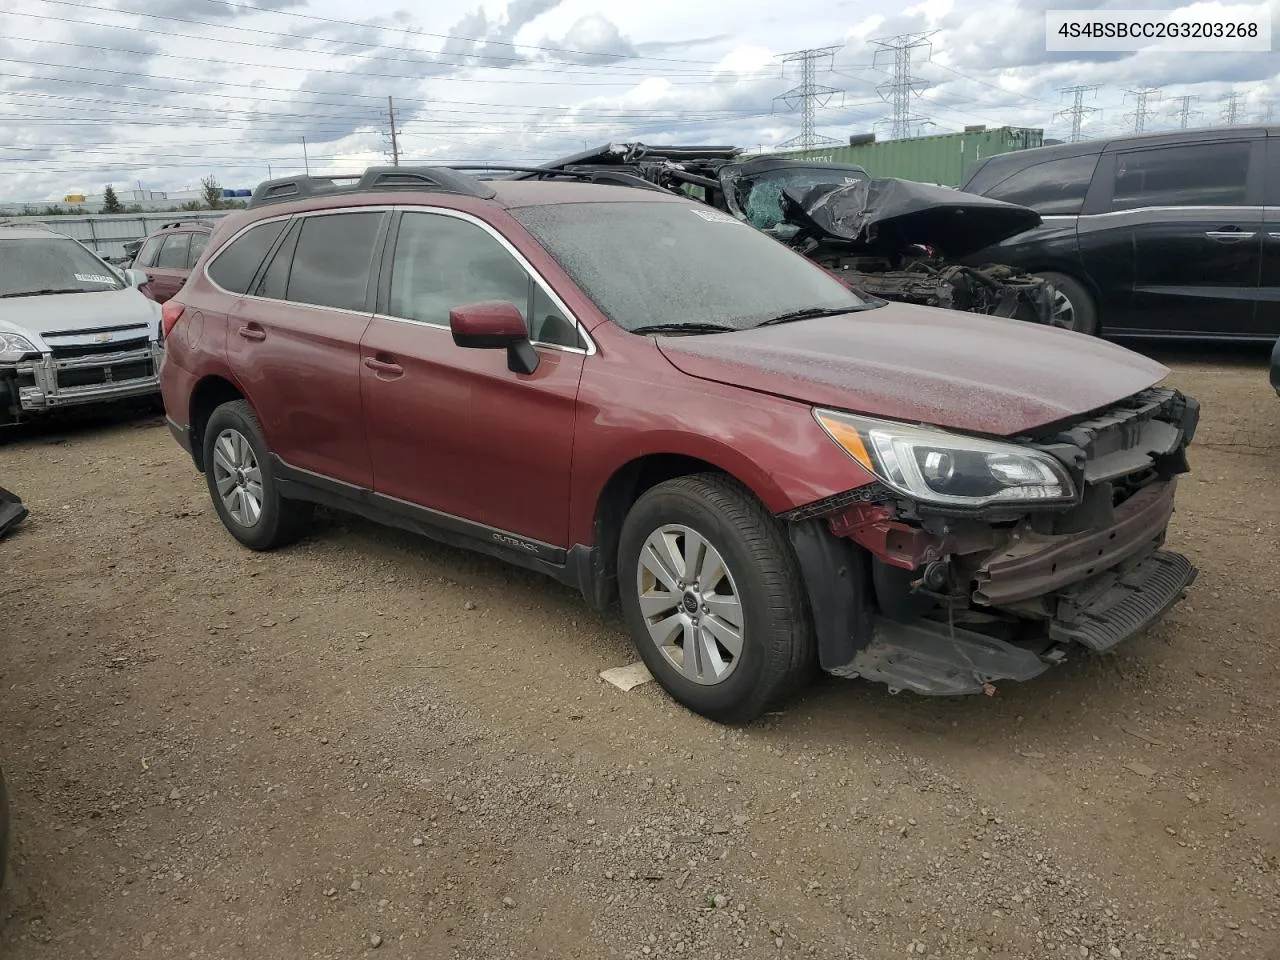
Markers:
646,263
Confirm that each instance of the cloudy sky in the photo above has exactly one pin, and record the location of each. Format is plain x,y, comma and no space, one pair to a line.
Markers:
164,92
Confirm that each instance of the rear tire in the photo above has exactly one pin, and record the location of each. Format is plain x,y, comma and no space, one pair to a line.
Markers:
697,553
242,483
1073,304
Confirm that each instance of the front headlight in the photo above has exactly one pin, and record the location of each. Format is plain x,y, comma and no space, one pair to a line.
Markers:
935,466
14,347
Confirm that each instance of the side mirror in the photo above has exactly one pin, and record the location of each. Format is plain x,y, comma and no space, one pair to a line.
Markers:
135,278
495,325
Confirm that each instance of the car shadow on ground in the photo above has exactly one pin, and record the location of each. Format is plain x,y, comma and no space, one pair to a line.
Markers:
1182,353
76,424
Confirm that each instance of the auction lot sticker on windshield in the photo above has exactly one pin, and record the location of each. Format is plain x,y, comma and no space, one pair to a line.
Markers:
714,216
93,278
1229,28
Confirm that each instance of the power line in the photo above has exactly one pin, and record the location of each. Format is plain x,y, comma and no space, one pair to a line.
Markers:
809,94
1141,111
898,91
1077,111
1231,104
1183,111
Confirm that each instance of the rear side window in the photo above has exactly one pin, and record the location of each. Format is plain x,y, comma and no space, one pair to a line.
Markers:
1052,187
1202,174
198,243
234,267
332,259
173,255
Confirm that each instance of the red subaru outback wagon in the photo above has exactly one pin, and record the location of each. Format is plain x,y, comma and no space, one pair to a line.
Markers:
651,401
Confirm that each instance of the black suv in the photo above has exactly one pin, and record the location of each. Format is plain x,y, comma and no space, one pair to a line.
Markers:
1160,235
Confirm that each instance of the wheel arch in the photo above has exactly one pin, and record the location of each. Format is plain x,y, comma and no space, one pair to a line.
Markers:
209,393
627,483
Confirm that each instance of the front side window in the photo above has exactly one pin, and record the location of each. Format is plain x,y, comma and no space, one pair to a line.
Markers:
147,255
40,266
1198,175
331,262
673,264
442,262
234,267
1052,187
173,255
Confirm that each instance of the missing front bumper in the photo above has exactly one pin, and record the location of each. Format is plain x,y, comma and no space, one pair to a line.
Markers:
53,383
938,659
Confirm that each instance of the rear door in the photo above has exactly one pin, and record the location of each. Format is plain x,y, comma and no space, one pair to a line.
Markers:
294,342
1187,220
454,429
170,271
1268,316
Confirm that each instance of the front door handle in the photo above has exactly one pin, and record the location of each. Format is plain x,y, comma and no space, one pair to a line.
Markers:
252,333
1228,235
384,368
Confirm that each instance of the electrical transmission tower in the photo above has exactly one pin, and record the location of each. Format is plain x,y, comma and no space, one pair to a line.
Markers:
1268,111
1077,111
1231,103
1141,96
899,90
808,95
1184,111
394,135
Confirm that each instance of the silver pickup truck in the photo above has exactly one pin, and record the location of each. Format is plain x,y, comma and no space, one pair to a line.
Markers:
73,329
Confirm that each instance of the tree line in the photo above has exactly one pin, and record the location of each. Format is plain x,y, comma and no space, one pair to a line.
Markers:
211,199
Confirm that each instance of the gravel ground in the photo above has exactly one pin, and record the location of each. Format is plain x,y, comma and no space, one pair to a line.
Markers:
371,744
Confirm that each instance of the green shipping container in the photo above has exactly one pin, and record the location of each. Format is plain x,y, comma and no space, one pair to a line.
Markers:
944,158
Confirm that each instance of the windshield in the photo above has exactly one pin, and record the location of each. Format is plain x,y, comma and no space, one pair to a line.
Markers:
760,195
53,264
648,264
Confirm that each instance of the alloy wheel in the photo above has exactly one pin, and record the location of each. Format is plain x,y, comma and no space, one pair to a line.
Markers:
1064,313
690,604
238,477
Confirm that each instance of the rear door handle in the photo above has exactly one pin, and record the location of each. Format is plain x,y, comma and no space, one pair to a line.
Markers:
384,367
252,333
1230,234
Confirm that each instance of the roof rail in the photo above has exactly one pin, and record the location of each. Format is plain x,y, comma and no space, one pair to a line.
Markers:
602,175
185,223
373,180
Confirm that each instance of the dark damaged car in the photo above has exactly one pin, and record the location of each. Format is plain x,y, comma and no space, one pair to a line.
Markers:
895,239
648,400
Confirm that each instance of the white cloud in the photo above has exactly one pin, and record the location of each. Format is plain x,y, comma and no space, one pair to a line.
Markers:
100,96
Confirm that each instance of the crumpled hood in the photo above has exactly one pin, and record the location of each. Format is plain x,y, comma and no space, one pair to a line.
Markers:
78,311
890,215
924,365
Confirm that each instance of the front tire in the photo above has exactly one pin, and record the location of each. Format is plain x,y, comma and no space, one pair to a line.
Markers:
242,484
713,598
1073,306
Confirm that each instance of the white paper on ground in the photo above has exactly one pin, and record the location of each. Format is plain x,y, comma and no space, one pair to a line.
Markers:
624,678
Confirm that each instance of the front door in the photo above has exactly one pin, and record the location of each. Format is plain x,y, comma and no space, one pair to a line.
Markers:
1194,218
294,343
453,429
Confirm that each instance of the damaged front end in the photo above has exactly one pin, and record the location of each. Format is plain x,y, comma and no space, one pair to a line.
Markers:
897,240
950,598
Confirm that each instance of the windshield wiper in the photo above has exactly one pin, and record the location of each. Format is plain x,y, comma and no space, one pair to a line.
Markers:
809,313
685,328
44,292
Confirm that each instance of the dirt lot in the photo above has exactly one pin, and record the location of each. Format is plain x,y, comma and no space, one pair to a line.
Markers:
372,745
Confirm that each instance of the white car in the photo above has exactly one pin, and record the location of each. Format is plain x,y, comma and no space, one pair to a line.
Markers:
73,330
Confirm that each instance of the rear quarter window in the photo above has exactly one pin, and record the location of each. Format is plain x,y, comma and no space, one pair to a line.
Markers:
234,267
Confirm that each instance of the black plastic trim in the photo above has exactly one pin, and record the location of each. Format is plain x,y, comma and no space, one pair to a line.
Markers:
180,433
838,583
574,567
